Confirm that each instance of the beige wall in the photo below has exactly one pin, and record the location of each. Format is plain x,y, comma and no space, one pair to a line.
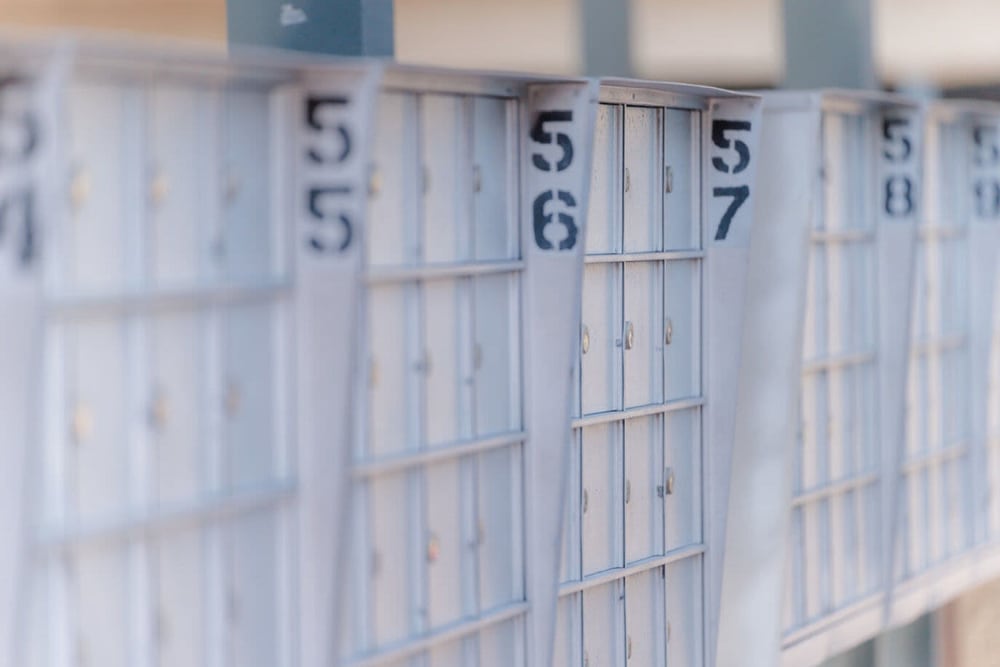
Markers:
951,42
188,19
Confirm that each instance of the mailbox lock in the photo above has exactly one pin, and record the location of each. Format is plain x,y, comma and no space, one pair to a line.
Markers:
585,339
425,179
158,410
586,501
233,398
233,186
668,331
433,548
158,187
82,423
629,336
586,659
668,179
374,181
628,491
628,647
79,186
628,180
477,178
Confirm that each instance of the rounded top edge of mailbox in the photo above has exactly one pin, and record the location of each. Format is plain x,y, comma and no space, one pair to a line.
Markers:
822,98
957,107
678,88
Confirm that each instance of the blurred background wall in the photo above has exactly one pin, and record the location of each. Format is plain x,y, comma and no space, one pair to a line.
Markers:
944,43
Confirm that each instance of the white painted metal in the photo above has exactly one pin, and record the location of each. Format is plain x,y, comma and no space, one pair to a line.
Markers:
662,292
478,194
860,207
944,472
753,580
153,311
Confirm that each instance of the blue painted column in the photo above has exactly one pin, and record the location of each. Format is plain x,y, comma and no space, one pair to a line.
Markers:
340,27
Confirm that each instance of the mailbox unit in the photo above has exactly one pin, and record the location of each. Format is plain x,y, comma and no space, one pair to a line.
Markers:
847,166
478,196
668,229
156,260
944,468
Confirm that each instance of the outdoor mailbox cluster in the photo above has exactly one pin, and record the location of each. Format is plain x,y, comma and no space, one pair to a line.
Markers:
312,361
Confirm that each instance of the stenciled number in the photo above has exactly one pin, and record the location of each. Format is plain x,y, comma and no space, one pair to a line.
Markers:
987,150
341,219
898,147
987,157
542,220
739,193
326,216
898,196
988,198
719,129
541,136
541,216
24,126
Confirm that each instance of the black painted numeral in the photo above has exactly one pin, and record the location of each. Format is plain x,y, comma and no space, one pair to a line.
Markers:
899,196
543,219
719,129
899,200
543,216
898,147
19,140
541,136
738,193
332,230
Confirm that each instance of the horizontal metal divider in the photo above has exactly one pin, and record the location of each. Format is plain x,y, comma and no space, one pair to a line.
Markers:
421,457
641,411
835,488
664,255
638,567
389,275
940,344
210,509
838,361
842,236
71,306
830,618
928,459
940,230
411,646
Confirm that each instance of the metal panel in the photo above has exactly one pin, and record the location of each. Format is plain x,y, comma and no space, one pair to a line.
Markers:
640,504
160,527
462,265
862,215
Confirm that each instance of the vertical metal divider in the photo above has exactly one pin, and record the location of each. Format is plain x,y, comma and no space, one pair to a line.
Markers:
730,136
752,594
984,250
28,208
900,207
140,442
329,125
557,130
